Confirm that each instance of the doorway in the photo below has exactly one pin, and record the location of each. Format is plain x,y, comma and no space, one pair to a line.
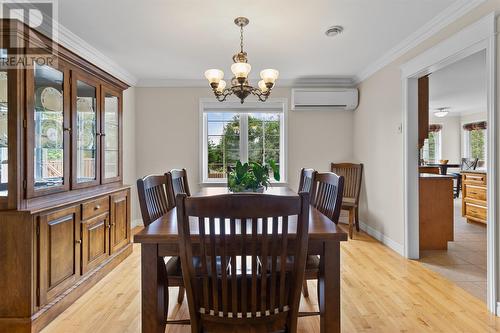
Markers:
480,36
453,174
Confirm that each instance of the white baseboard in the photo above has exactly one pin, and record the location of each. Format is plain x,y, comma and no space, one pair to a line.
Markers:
393,245
136,223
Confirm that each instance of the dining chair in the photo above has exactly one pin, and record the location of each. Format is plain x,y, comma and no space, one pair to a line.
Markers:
306,181
179,180
243,232
154,203
328,190
352,174
467,164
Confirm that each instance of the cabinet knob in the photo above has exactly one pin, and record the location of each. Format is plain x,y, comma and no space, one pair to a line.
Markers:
78,241
97,207
67,129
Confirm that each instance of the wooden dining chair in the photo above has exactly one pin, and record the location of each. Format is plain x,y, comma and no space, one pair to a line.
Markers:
306,181
328,189
467,164
243,233
154,203
179,180
352,174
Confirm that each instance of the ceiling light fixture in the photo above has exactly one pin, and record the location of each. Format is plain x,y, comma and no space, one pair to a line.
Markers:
334,31
441,112
241,68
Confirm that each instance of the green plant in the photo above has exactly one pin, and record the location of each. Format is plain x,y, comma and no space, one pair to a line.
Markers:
251,176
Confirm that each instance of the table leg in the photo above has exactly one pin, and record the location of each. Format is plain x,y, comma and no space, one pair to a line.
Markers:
153,300
329,288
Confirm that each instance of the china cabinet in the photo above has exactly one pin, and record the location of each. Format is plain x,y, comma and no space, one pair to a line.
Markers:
64,210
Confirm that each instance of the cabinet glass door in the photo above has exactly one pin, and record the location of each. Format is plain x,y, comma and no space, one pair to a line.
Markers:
111,136
4,166
86,131
48,150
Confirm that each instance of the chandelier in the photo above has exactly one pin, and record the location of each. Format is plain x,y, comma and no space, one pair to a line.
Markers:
241,68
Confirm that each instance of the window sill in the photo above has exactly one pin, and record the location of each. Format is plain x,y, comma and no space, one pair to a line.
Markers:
224,184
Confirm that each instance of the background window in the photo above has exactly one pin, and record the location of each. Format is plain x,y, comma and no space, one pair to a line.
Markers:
432,147
475,141
240,136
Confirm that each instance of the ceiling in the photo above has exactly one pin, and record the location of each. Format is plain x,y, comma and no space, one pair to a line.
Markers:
178,40
460,86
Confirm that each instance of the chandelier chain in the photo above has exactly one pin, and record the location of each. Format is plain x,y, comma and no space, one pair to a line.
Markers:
241,38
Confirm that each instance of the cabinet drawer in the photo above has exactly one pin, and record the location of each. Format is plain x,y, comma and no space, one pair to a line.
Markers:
474,178
475,211
475,192
95,207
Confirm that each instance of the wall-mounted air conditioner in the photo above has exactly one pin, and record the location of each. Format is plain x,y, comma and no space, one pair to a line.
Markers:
324,99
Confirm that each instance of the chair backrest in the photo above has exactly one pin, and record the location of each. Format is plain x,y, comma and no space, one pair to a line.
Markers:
352,174
179,181
328,192
306,181
469,164
152,197
244,271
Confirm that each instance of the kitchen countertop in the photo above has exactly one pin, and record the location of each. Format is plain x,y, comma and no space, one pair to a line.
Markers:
432,175
474,171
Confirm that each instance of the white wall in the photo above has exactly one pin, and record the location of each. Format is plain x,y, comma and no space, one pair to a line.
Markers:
129,149
379,144
167,134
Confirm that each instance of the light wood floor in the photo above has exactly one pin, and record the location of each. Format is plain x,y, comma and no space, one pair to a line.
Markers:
381,292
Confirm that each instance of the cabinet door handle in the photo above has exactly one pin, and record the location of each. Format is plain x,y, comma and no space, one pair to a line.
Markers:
78,241
67,129
103,134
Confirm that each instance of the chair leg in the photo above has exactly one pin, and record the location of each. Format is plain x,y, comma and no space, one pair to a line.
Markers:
351,222
305,289
180,296
356,218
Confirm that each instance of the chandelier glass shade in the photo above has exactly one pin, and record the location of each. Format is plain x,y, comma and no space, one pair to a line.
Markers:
239,85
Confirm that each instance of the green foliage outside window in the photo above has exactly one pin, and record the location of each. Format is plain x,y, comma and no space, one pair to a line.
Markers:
263,143
476,144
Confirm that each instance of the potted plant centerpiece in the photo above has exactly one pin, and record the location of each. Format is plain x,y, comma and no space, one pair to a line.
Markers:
252,177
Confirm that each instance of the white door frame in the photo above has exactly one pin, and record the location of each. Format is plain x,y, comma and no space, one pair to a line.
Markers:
474,38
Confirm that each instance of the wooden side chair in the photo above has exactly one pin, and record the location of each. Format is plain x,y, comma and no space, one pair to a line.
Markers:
328,189
352,174
307,181
466,165
154,203
179,180
243,232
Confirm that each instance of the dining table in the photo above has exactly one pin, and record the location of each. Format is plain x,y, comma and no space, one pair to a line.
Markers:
443,167
161,239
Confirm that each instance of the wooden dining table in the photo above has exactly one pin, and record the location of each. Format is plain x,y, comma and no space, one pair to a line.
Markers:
160,239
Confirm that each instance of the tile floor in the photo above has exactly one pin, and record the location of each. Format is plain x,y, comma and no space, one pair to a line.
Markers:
465,261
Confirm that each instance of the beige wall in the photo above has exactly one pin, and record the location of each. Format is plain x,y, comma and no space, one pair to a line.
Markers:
379,144
129,144
167,133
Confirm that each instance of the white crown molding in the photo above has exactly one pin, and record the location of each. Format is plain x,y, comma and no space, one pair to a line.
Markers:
443,19
338,82
66,38
79,46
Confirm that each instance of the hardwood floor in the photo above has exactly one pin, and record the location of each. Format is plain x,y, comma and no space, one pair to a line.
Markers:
381,292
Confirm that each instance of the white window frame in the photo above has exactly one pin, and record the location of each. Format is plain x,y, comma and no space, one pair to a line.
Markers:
467,152
272,105
438,146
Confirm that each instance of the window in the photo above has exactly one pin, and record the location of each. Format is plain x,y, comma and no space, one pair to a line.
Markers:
432,145
475,139
233,134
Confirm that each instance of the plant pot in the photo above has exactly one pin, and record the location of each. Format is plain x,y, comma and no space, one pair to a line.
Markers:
249,190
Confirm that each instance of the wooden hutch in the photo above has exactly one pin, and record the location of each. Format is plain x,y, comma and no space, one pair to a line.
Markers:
64,211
